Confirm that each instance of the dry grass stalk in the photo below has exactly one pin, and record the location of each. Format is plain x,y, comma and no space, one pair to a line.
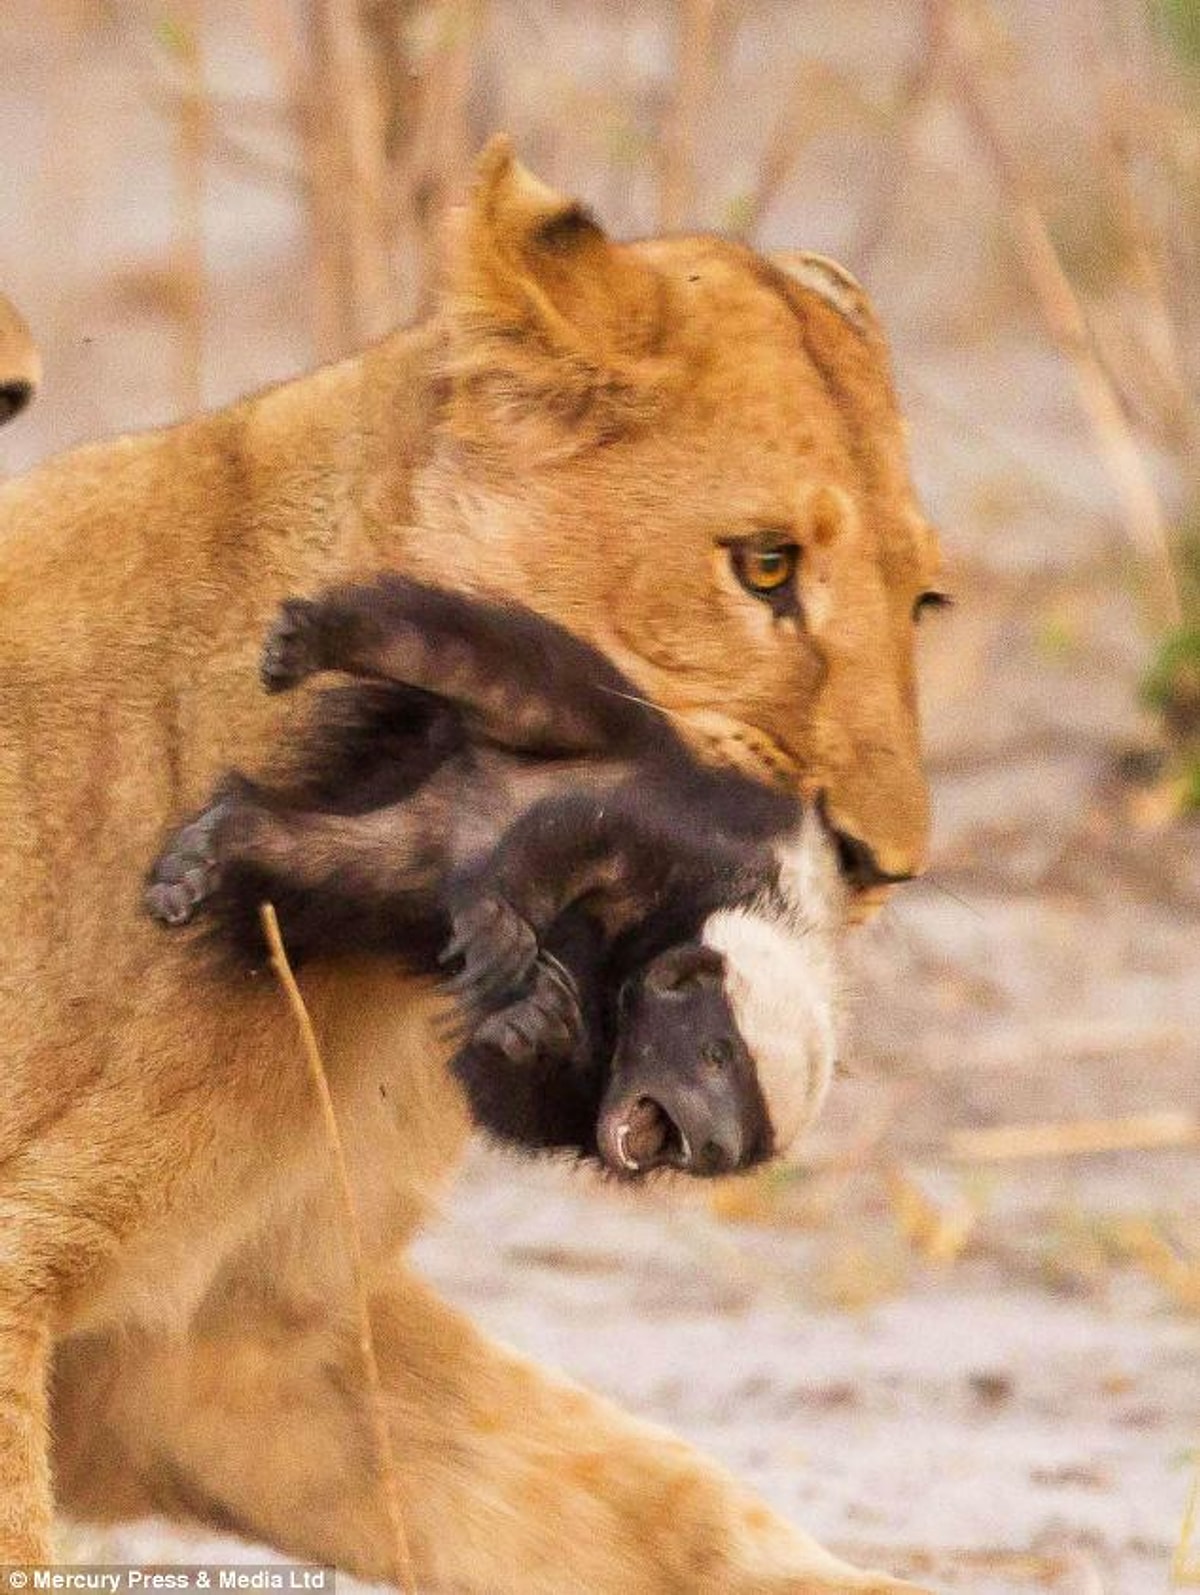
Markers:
939,1234
1135,1132
379,100
381,1435
342,129
1016,1567
1063,315
695,66
356,116
1143,1243
333,333
820,97
1185,1564
431,137
193,123
331,101
1120,116
915,93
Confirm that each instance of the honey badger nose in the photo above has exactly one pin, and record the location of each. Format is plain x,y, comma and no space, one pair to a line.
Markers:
685,1129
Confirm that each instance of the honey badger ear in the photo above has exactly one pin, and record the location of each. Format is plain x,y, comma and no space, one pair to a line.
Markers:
831,282
542,307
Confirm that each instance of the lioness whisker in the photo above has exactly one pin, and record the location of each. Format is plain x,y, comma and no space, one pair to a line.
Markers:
633,697
963,902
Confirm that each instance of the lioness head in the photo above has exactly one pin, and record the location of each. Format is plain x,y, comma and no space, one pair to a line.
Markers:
692,456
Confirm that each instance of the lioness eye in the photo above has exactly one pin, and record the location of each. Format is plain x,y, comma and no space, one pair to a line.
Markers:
931,600
766,570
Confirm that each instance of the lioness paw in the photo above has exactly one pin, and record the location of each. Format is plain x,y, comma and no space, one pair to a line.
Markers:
497,949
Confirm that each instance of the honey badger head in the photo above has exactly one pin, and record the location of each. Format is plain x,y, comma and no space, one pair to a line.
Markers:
726,1044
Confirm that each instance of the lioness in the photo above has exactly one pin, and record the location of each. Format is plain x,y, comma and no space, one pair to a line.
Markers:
690,457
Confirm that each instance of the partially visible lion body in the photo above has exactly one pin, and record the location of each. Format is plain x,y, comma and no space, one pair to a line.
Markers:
565,431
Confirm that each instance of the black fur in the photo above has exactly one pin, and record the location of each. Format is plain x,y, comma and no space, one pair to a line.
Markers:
494,780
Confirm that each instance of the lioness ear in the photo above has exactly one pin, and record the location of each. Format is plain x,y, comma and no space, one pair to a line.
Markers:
844,335
830,282
542,307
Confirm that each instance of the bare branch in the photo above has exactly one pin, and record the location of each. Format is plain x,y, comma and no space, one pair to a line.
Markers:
381,1433
1063,315
697,25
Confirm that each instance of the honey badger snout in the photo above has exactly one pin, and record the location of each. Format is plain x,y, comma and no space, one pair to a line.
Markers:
684,1092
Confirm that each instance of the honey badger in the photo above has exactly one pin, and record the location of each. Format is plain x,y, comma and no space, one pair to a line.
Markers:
643,942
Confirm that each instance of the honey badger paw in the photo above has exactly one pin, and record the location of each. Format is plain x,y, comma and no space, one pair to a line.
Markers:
295,645
497,949
547,1023
187,871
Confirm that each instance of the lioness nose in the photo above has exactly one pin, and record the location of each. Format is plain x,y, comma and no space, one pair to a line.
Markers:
681,1130
14,396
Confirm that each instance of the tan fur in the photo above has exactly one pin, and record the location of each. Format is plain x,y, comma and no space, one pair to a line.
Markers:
580,424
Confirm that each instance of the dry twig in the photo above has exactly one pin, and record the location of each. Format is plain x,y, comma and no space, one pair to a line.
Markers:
1137,1132
693,84
344,123
820,97
381,1435
1185,1568
191,148
1063,314
431,133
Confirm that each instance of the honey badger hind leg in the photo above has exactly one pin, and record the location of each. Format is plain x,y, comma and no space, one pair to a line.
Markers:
188,870
585,846
520,680
295,646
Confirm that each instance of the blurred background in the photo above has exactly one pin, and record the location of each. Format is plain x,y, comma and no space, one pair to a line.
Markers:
963,1337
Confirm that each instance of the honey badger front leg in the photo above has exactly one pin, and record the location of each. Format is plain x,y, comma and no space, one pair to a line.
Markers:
519,680
339,881
613,853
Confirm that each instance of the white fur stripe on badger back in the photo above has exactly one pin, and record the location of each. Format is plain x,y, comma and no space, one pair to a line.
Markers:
780,978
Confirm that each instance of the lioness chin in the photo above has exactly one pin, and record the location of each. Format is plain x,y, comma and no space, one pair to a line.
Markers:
686,454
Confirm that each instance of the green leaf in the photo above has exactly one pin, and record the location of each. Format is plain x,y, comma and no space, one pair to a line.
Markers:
1181,21
175,36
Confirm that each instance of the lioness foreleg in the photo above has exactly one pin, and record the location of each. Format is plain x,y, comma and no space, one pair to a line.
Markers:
25,1509
512,1481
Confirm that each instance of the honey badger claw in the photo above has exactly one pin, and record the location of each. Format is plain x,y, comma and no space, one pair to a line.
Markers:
547,1023
497,948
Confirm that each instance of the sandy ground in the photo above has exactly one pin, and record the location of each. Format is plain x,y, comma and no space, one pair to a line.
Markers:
1016,1422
